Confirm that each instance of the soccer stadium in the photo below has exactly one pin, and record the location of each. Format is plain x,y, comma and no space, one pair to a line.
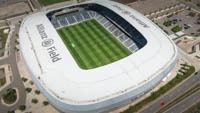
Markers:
94,56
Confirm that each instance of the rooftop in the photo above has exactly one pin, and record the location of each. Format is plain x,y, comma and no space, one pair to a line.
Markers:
49,60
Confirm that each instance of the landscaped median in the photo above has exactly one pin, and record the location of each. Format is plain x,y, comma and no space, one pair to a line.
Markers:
10,96
3,39
176,29
194,109
167,23
179,78
180,98
2,79
6,76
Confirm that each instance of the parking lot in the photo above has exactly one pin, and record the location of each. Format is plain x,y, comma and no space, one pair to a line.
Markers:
190,25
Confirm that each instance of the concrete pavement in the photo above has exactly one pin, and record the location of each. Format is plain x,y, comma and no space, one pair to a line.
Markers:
184,104
178,90
191,4
175,92
16,83
36,4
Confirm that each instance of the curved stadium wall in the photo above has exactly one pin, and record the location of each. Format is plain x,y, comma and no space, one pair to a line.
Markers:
110,102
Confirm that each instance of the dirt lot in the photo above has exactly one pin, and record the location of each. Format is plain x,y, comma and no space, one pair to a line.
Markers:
14,10
147,6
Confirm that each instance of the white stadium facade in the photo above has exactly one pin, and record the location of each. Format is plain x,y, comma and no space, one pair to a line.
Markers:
74,90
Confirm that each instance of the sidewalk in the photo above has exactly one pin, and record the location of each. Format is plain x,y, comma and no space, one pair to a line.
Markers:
31,107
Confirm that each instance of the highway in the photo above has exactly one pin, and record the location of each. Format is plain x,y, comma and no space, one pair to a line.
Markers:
178,90
151,108
171,95
185,104
17,82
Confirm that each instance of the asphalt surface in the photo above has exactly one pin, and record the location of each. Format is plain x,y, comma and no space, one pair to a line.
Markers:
176,92
155,106
192,4
185,104
16,82
36,4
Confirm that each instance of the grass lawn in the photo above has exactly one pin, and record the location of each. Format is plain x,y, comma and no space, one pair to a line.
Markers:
176,29
2,81
91,45
10,96
167,23
50,2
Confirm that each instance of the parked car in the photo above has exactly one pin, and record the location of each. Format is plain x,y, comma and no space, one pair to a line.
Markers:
198,22
174,22
187,26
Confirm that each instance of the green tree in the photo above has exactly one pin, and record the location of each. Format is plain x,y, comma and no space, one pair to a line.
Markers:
22,107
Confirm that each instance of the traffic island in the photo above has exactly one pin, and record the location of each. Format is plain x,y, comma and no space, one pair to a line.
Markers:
10,97
35,100
22,108
6,76
3,39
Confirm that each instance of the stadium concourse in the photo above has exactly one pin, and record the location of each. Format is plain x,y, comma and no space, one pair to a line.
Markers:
95,56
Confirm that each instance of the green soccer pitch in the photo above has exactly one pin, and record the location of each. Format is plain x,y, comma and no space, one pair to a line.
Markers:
91,45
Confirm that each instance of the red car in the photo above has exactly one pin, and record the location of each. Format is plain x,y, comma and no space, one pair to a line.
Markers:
162,104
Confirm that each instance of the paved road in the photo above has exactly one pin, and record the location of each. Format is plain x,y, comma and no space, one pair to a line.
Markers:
16,83
188,58
191,4
176,92
36,4
184,104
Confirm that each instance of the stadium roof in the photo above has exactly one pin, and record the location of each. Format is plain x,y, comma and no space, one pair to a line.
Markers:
48,59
